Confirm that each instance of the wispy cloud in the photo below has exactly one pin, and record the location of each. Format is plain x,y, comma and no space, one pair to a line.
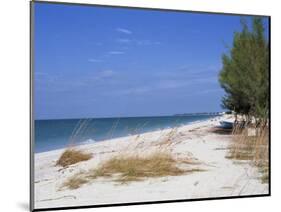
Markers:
116,52
101,76
137,42
125,31
92,60
122,40
147,42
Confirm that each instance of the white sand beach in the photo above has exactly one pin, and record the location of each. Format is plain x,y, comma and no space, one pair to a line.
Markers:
221,176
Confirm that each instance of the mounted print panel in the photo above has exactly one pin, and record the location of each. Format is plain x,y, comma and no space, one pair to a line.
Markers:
138,106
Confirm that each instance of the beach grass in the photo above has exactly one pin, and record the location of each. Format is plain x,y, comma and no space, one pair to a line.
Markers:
75,182
134,168
128,168
253,148
72,156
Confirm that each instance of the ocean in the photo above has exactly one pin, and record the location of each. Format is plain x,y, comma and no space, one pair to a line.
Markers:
59,133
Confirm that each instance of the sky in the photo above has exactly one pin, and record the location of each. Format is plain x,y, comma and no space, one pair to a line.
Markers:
116,62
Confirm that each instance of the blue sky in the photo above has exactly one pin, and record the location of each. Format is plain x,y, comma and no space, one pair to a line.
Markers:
105,62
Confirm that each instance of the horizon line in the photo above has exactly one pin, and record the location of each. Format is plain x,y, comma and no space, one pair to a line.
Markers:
144,116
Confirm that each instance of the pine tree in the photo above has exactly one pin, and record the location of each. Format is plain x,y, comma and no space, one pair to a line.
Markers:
244,75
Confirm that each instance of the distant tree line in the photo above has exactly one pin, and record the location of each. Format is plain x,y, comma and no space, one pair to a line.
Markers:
245,73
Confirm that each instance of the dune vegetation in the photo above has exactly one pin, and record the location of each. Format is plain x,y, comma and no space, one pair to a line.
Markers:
128,168
245,79
72,156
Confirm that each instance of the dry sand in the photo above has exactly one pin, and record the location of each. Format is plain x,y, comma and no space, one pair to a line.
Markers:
222,177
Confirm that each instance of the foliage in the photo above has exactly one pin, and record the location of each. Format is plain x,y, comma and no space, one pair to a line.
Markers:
245,72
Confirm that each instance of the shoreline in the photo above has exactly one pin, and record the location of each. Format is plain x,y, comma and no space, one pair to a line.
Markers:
124,137
222,176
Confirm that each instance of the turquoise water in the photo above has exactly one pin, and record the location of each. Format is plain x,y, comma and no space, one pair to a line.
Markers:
56,134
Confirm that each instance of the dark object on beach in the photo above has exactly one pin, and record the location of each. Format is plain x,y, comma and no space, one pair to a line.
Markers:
220,130
226,125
